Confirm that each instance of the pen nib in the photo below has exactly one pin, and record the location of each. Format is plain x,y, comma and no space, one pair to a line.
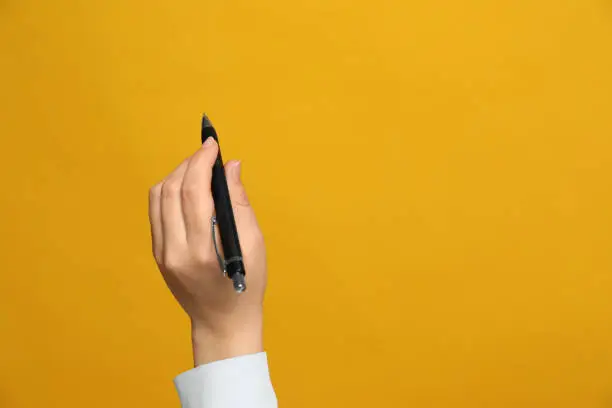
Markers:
206,123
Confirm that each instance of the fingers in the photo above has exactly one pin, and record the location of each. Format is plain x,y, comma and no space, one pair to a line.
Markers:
173,225
156,222
198,205
181,207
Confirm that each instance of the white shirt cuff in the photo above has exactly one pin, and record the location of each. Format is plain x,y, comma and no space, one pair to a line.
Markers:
240,382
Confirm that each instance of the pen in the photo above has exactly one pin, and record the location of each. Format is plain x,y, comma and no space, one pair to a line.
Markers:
233,265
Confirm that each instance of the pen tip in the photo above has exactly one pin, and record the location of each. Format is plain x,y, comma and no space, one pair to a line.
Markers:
206,122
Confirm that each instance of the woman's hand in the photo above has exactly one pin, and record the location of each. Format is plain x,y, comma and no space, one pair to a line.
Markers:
224,324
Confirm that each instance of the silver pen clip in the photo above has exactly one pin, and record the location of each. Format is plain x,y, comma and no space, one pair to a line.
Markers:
222,262
238,278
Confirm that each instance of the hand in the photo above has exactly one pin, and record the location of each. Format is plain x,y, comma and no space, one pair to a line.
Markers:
224,324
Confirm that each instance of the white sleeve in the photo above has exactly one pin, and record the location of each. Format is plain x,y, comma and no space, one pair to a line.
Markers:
240,382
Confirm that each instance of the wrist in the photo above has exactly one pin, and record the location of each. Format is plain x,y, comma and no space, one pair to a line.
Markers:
213,345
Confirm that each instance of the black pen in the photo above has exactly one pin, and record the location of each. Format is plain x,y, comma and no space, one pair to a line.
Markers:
232,266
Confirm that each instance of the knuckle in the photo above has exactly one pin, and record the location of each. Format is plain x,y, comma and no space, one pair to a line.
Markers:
173,262
241,198
170,189
189,191
155,191
204,258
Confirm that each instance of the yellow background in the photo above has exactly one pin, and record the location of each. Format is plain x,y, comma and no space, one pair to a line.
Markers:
433,178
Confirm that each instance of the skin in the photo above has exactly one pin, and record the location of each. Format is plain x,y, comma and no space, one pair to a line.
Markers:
224,324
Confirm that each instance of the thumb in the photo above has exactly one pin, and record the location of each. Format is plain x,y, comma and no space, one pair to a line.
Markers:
236,188
246,222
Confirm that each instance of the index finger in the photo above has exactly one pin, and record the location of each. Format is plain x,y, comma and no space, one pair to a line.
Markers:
198,204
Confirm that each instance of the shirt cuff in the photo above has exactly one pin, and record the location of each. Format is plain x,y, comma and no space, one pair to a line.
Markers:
236,382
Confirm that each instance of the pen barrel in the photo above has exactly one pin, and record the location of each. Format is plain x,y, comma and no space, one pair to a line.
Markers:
225,214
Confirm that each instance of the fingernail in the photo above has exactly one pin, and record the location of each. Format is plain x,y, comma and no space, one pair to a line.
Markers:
209,142
238,169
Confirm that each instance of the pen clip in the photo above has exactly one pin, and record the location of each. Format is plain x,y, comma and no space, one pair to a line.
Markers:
222,262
